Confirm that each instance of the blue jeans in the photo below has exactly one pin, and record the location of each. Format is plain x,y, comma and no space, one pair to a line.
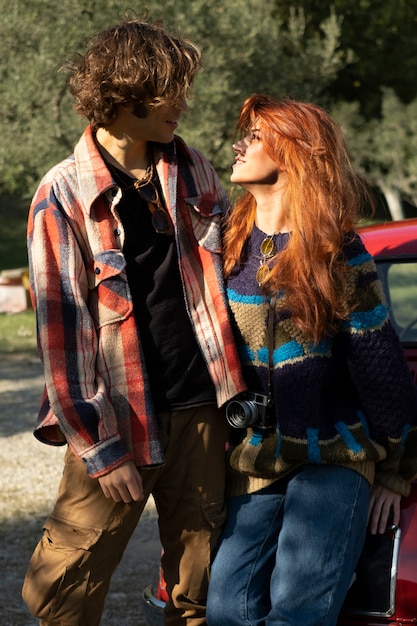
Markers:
287,553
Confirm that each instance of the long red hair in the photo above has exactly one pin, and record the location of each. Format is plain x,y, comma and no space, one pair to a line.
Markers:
323,202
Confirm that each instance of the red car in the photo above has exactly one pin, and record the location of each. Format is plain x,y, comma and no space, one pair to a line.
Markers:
384,591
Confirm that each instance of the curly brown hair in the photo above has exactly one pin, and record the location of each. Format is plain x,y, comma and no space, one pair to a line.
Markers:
131,62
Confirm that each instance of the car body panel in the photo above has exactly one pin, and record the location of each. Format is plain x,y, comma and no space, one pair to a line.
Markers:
395,244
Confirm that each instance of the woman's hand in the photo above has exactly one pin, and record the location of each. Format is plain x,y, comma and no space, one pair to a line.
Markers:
383,504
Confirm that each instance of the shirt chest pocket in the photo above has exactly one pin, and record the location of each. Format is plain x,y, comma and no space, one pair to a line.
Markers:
205,217
110,298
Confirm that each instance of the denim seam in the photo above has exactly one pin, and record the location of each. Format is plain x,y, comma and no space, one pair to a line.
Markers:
272,527
346,542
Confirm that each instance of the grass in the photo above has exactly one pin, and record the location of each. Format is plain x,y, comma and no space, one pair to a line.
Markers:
18,332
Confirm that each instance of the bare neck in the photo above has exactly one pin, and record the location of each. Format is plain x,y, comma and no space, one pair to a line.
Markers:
270,215
123,151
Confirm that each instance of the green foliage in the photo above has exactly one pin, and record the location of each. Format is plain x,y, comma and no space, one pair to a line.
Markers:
382,36
242,56
244,51
384,151
327,51
39,129
13,218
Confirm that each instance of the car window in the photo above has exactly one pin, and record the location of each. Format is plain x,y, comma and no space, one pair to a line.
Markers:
399,279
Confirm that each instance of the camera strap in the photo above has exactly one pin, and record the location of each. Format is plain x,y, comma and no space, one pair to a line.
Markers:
271,319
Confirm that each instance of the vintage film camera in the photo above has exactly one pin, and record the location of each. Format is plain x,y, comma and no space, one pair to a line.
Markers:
251,409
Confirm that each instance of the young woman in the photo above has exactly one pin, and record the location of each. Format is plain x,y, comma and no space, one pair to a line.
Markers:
327,433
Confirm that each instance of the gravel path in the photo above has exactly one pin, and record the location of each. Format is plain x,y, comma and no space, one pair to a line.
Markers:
29,477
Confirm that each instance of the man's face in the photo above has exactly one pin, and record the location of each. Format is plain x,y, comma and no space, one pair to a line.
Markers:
160,123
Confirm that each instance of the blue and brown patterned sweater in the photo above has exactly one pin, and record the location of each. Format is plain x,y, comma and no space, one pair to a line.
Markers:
349,400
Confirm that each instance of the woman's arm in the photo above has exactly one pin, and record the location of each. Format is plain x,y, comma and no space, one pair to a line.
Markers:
384,506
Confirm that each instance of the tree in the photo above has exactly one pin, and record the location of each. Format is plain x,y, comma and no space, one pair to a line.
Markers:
382,37
374,93
39,126
256,56
384,150
241,55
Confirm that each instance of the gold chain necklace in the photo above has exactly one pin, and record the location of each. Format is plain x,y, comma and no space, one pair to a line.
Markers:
136,182
147,188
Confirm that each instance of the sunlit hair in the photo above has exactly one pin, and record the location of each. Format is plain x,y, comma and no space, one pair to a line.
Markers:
131,62
322,202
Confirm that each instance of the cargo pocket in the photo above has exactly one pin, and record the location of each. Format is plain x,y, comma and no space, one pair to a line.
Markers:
215,513
196,563
55,586
215,516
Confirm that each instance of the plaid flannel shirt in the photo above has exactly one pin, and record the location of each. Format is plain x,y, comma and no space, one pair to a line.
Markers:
97,395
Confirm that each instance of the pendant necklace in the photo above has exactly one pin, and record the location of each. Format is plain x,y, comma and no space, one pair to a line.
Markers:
268,250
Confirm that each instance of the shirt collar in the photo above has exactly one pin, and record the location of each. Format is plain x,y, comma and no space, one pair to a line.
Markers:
94,177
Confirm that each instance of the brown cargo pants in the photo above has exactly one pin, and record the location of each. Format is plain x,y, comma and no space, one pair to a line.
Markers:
86,534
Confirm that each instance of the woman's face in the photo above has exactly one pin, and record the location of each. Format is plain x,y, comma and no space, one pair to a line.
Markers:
253,166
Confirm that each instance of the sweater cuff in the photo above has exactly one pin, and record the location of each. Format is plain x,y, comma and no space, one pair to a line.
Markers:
394,482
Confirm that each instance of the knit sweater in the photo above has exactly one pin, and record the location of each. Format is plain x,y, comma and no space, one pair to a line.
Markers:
348,400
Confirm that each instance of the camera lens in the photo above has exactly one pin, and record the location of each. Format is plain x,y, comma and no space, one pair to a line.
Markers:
241,414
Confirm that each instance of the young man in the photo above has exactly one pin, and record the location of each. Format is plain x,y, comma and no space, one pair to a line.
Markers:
133,329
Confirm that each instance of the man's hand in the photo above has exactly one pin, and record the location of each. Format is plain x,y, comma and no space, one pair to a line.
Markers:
123,484
383,502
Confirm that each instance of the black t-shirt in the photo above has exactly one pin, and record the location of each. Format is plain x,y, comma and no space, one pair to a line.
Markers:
178,375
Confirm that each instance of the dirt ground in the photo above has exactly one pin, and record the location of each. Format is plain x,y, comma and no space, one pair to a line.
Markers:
29,477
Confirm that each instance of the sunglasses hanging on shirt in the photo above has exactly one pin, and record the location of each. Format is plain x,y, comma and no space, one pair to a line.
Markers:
148,191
